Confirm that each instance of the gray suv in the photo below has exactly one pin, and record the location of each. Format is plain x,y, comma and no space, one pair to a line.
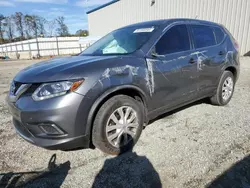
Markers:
106,95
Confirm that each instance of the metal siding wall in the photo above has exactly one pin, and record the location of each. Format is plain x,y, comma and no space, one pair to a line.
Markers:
234,14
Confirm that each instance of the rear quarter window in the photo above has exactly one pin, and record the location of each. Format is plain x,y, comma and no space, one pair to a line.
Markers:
203,36
219,34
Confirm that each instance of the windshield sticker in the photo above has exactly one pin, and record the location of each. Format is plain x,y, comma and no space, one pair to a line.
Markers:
144,30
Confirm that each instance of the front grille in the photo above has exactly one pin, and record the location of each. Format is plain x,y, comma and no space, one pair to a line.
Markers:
17,86
26,90
32,89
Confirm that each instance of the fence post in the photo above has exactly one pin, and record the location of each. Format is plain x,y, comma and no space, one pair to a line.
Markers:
57,46
37,46
80,47
6,53
16,51
29,50
22,45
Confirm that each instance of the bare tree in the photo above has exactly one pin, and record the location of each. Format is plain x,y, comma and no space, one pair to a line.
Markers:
41,25
31,25
27,32
35,25
1,27
51,27
19,21
62,30
28,26
10,27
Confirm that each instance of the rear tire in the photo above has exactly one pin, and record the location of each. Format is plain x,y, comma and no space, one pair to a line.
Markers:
225,89
118,125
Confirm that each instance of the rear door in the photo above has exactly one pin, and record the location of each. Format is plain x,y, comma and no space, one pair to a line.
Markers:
225,51
174,71
208,56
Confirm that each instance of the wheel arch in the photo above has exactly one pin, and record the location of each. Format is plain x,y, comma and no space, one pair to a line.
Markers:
233,70
129,90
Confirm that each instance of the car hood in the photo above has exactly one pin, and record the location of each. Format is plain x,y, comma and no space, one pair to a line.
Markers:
57,69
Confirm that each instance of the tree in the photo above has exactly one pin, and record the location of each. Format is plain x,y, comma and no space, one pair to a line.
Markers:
20,27
30,25
51,27
35,25
62,30
27,32
1,27
41,25
82,33
10,27
19,21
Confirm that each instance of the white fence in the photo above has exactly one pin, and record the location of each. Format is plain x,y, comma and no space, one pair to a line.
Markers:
43,47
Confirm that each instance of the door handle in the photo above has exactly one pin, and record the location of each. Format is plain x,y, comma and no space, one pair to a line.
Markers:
221,53
192,61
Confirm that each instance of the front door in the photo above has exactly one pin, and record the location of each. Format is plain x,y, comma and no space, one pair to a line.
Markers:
173,69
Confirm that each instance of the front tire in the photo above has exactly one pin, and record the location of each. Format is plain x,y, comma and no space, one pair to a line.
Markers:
118,125
225,89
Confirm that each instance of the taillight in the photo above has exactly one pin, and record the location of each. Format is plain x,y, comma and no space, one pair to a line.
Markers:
236,45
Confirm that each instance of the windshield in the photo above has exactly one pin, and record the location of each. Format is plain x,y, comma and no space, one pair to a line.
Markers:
122,41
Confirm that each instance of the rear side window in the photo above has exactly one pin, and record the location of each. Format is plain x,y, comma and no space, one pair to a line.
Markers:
219,34
176,39
203,36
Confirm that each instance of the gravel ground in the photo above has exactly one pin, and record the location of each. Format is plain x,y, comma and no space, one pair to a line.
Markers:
197,146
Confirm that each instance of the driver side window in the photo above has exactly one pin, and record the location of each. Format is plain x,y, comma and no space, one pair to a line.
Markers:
176,39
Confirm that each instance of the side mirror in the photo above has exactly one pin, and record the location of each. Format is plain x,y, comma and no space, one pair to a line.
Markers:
154,53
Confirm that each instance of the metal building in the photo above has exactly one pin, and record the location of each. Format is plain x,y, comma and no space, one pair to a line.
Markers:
234,14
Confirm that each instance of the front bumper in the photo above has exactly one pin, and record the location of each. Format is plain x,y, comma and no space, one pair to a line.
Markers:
64,113
50,143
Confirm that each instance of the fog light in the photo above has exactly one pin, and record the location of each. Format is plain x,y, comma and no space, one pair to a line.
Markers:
50,129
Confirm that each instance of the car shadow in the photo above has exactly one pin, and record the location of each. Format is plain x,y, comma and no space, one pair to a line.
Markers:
202,101
247,54
130,169
127,170
236,176
53,176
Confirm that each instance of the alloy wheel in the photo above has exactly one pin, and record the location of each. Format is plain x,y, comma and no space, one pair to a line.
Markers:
122,126
227,88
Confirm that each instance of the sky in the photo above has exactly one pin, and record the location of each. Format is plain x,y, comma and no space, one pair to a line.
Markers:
74,11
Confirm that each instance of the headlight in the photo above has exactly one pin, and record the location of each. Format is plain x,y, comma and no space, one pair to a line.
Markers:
49,90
